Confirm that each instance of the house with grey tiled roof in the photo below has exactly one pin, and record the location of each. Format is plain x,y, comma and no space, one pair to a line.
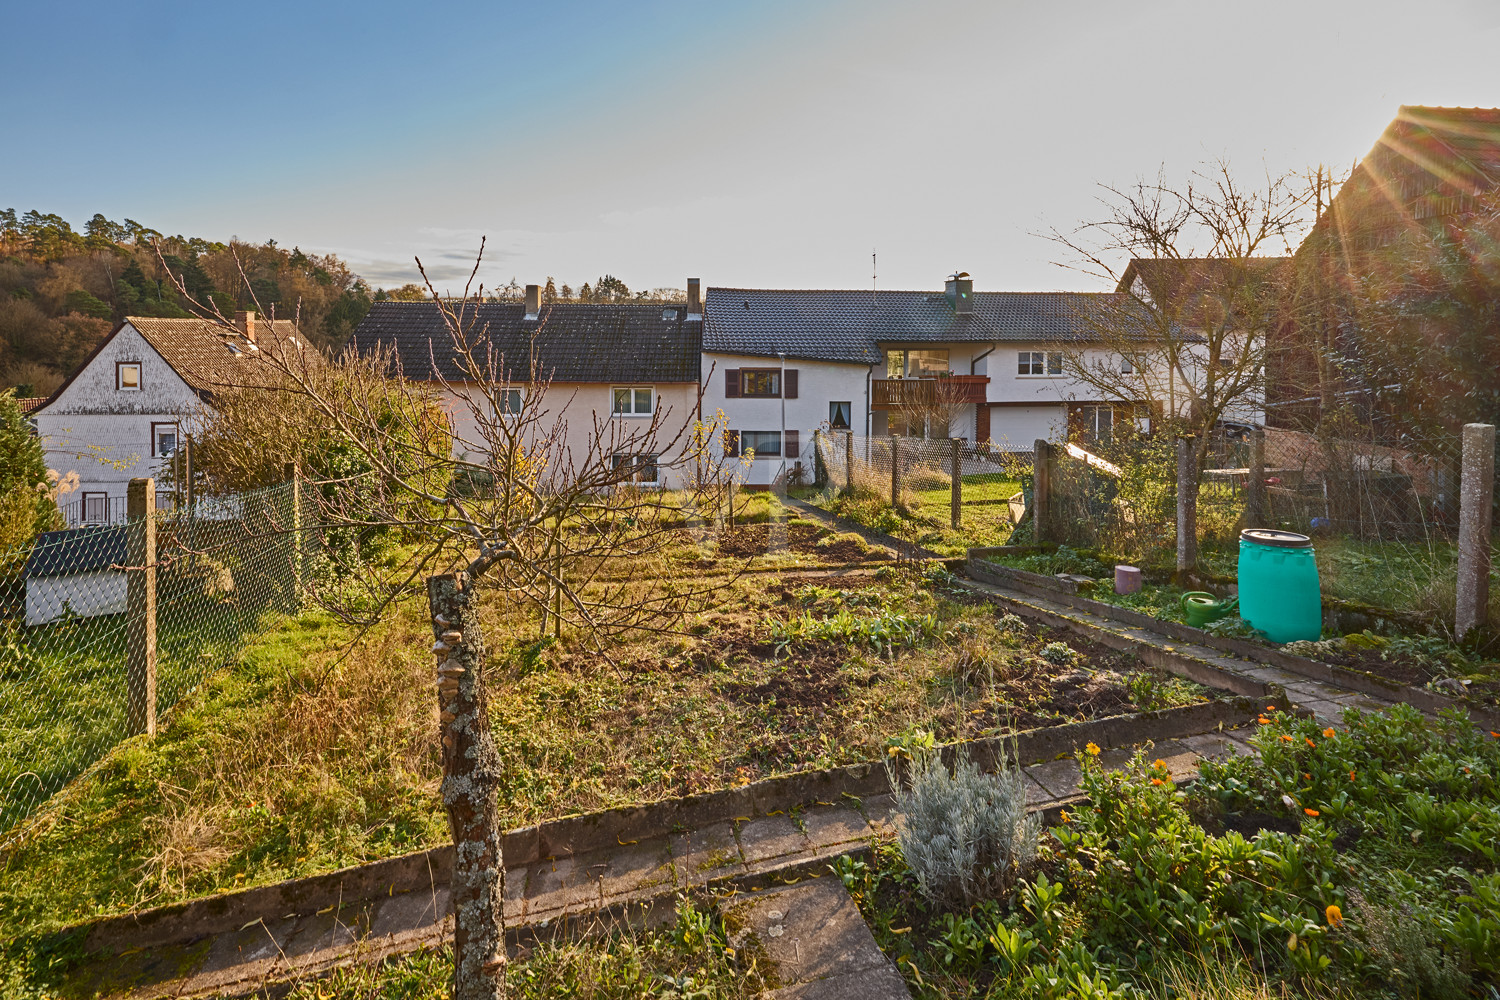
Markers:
124,412
607,368
983,366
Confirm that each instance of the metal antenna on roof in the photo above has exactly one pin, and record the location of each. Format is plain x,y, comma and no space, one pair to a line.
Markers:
872,276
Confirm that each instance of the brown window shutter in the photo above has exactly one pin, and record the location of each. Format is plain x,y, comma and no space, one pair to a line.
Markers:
791,383
790,447
732,384
732,444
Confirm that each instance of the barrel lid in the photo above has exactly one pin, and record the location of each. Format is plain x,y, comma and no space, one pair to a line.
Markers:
1279,539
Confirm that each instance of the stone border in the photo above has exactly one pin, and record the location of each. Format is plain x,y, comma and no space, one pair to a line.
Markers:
624,825
1355,680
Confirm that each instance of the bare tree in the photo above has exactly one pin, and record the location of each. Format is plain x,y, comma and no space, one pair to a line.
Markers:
1199,273
474,465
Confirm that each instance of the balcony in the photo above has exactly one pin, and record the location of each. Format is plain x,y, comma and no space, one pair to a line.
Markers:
920,393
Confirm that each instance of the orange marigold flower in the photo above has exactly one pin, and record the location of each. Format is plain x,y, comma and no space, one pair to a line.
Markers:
1351,776
1158,762
1335,915
1263,721
1495,734
1065,818
1306,776
1310,812
1092,749
1330,732
1270,708
1310,742
1285,738
1157,781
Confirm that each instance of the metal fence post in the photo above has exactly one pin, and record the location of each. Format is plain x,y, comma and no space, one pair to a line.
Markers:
849,461
1476,495
895,470
1255,487
140,603
958,481
1041,489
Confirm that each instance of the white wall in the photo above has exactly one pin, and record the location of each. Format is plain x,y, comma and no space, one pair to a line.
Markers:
103,432
578,405
1017,428
818,384
85,594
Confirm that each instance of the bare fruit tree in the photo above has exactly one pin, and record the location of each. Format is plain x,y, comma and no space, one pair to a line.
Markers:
488,475
1199,269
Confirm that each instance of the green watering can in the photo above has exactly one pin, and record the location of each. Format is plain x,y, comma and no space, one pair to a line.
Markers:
1200,607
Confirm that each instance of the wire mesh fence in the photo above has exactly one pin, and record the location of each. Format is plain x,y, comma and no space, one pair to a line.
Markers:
105,626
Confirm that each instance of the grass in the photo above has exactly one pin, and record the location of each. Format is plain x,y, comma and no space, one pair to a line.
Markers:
926,517
1350,861
312,755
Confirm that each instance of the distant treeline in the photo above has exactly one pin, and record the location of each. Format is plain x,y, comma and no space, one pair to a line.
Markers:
62,291
605,289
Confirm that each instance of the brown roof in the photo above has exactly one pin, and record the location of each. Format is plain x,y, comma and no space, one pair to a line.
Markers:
208,356
29,403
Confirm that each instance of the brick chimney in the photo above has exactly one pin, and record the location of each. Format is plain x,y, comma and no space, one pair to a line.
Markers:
695,300
533,301
245,320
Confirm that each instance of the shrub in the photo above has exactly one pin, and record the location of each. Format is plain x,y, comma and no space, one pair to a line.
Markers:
965,834
1060,654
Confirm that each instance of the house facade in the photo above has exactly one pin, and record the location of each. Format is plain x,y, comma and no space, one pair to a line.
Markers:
986,367
608,370
126,410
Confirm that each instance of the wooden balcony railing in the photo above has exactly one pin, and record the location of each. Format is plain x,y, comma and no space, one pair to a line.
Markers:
950,390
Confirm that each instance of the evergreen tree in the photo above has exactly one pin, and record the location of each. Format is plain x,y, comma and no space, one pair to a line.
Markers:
26,509
549,291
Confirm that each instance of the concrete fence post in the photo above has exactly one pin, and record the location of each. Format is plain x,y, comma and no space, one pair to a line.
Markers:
895,470
958,481
1041,490
1475,523
849,461
1255,487
294,529
140,605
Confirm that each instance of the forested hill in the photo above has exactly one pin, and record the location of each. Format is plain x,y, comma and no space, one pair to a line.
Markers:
62,291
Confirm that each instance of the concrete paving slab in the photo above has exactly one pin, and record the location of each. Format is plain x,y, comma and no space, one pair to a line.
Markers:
868,984
1058,777
1036,795
837,824
811,931
880,813
701,855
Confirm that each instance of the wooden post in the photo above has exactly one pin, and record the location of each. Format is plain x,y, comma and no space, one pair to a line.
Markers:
140,604
849,461
895,470
958,481
471,777
1041,490
1187,510
1255,487
1476,494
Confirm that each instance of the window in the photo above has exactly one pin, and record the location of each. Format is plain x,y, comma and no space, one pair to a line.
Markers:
96,508
163,440
127,375
1039,363
764,382
1129,364
925,363
839,415
509,400
632,401
640,469
765,444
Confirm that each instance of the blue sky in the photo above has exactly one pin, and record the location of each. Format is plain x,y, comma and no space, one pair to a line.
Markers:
761,144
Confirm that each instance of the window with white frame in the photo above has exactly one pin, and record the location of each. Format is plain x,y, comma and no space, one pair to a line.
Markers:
128,375
639,469
509,401
634,401
96,508
1039,363
1130,364
163,440
916,363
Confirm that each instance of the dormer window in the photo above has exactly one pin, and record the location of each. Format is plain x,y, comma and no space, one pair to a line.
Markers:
128,375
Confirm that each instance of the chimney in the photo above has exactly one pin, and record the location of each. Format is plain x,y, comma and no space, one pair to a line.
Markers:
695,300
960,293
533,301
245,320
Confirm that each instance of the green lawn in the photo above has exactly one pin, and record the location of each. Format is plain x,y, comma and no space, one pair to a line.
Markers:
928,517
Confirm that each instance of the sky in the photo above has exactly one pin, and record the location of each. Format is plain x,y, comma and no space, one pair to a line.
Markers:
755,144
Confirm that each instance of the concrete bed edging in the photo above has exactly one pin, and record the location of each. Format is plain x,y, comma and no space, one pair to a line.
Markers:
622,825
1357,680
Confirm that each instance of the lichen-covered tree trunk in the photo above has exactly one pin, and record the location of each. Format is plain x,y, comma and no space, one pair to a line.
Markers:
471,772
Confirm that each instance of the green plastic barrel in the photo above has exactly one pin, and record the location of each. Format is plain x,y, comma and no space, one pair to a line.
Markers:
1279,592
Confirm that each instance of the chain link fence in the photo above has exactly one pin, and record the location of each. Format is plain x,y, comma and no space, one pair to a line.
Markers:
105,627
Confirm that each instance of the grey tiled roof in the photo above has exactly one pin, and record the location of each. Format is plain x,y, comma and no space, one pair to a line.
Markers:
81,550
850,326
575,342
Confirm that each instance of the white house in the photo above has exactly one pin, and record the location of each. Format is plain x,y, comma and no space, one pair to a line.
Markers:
123,413
983,366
